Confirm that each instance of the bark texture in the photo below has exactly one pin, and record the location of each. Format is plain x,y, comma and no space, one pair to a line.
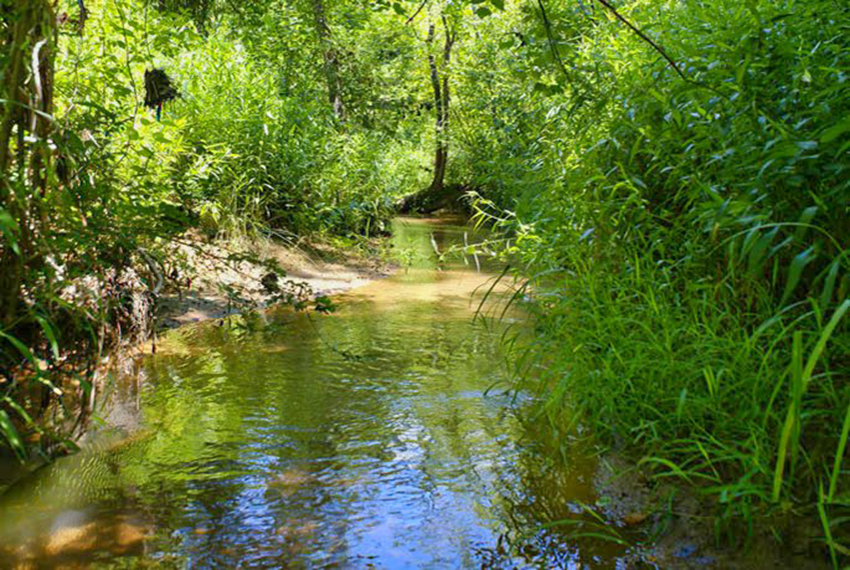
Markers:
330,57
442,100
27,87
437,195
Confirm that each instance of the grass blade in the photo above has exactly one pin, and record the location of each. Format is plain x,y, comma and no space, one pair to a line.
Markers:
839,455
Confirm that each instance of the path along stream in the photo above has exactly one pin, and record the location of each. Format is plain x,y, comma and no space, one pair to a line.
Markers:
362,439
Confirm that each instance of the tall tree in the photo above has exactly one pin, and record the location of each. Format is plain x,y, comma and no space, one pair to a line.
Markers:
27,88
436,195
330,57
440,87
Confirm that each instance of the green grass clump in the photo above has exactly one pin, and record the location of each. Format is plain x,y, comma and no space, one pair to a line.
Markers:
745,414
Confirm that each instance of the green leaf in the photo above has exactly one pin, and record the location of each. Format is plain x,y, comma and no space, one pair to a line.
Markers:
11,434
800,261
22,348
8,227
839,455
499,4
398,9
17,407
827,531
823,339
51,336
829,284
759,250
483,12
835,131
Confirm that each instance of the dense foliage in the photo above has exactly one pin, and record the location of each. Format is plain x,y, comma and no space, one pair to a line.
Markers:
673,174
689,234
100,176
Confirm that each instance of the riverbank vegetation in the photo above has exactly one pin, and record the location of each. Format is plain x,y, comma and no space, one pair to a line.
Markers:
688,219
672,176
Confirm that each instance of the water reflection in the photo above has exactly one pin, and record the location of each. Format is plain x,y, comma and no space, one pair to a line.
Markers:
360,439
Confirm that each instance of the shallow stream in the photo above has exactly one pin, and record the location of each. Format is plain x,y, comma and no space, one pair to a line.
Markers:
366,438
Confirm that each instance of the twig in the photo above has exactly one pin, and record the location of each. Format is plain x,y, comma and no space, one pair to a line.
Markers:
416,13
644,37
552,46
36,75
84,15
152,266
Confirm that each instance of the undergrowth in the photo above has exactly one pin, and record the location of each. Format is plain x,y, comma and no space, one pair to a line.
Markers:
690,238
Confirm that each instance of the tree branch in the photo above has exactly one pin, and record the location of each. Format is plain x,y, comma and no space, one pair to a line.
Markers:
84,15
552,45
644,37
416,13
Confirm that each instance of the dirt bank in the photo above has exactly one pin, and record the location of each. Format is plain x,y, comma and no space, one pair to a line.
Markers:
191,280
214,280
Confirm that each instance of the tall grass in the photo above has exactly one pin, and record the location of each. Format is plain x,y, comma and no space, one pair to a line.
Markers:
698,232
742,406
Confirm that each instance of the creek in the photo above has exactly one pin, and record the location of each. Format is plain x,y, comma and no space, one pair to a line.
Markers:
379,436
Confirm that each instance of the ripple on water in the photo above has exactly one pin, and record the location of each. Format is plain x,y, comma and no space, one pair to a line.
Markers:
367,437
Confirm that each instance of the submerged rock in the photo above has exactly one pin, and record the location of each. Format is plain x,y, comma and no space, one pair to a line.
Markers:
72,536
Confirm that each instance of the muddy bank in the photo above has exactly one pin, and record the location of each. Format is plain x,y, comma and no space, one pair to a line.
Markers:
215,279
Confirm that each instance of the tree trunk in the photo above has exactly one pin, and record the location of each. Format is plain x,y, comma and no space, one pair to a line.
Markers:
331,61
441,105
27,87
437,195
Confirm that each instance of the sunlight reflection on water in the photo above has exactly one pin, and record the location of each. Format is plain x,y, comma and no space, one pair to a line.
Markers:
273,447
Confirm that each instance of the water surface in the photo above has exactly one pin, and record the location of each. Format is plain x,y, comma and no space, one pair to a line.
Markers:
362,439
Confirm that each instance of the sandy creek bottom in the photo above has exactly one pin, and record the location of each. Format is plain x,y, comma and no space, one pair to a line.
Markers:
366,438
